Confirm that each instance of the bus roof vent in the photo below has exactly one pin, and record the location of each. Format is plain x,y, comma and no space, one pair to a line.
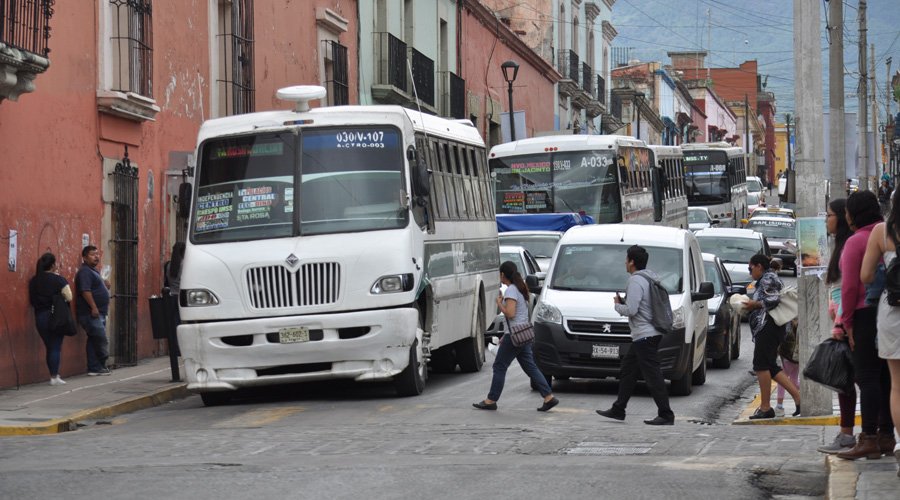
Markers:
300,95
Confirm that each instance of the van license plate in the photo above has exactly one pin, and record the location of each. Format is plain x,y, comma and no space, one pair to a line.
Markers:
605,351
293,335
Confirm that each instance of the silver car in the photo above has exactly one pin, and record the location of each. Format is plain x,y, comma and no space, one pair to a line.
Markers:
530,271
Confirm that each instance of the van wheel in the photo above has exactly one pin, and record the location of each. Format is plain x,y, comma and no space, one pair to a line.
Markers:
411,381
699,375
215,398
682,385
470,353
724,361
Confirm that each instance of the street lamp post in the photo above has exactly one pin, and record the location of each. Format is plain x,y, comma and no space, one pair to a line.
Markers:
510,71
638,100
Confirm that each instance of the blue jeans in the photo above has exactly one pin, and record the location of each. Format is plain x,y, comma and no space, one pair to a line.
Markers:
52,342
506,352
97,347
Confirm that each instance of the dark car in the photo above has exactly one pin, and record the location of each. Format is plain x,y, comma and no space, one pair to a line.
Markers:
723,341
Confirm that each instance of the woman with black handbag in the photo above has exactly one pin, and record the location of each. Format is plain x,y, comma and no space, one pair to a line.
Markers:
45,284
514,306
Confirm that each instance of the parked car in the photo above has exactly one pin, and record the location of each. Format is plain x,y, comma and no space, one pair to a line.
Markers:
754,202
781,233
541,244
578,333
529,269
699,218
734,247
756,187
723,340
853,187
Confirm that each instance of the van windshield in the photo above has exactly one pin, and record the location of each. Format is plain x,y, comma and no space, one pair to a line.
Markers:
601,268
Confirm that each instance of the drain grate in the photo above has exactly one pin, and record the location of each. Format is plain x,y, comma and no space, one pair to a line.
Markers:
608,449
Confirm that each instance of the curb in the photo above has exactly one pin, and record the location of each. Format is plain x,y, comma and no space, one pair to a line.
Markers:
823,420
128,405
842,478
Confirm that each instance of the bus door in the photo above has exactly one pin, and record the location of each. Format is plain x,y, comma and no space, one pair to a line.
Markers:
659,180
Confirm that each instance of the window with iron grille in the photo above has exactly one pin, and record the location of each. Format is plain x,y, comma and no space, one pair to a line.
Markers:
25,24
131,41
337,73
234,51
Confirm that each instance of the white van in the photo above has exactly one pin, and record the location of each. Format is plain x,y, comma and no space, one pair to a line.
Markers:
578,333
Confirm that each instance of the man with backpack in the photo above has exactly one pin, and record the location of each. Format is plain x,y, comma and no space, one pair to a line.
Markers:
648,319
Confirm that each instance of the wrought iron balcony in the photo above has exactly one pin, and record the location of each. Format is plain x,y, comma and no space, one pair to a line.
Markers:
587,79
24,34
453,95
597,105
601,89
422,76
390,69
569,68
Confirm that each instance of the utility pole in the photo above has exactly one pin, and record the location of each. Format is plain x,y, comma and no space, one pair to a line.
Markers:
876,148
836,146
862,164
813,311
790,163
747,127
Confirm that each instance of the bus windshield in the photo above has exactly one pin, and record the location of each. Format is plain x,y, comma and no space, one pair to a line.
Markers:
342,180
564,181
707,177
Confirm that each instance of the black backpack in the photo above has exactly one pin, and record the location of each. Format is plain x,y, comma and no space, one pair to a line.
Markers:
892,278
61,320
661,309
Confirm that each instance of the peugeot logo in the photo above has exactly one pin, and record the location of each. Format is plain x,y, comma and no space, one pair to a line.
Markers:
292,260
607,328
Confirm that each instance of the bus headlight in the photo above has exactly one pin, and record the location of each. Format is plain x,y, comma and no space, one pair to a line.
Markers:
548,314
393,284
198,298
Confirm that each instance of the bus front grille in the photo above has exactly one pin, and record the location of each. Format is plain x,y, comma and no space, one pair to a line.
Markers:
273,287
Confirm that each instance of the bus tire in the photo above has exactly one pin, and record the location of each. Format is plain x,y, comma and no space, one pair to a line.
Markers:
443,360
215,398
411,381
470,353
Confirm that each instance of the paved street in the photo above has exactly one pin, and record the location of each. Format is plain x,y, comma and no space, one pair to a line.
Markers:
341,440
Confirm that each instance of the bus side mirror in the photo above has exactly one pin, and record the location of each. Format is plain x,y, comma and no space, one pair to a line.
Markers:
184,200
420,173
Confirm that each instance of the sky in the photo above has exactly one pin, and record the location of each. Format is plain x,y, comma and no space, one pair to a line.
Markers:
733,31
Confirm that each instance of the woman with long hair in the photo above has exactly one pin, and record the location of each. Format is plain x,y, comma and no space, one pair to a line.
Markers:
837,226
882,245
514,306
45,284
858,318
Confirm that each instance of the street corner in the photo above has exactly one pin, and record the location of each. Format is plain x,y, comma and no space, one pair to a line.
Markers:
744,417
101,411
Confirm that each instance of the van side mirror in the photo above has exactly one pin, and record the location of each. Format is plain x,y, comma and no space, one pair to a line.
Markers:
706,292
534,286
737,290
714,222
184,199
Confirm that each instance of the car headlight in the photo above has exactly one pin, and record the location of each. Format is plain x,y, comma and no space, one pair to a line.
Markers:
678,318
712,319
198,298
393,283
547,313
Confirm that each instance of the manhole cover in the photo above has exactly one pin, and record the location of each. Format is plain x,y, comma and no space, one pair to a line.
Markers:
608,449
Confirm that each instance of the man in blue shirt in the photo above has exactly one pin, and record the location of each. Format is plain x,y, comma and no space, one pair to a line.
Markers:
92,307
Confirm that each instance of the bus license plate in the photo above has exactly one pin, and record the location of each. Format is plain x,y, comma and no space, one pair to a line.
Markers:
605,351
293,335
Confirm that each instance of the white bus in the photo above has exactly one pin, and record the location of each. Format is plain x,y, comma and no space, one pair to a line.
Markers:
669,199
610,178
348,242
716,178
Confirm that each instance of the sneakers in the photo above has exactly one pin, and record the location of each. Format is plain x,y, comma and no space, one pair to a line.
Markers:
760,414
99,373
57,381
779,411
842,442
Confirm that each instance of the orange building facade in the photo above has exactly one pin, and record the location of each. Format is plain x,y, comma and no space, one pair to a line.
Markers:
97,152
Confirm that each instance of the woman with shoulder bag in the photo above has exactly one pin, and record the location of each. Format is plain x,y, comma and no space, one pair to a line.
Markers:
882,244
514,306
45,284
859,319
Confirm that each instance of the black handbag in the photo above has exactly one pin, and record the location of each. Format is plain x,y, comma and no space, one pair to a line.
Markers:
61,320
831,365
